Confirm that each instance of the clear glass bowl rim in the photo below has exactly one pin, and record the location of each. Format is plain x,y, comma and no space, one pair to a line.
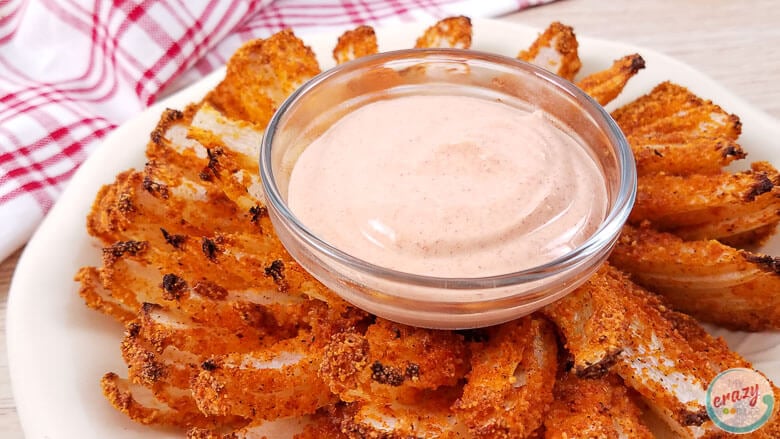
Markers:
604,237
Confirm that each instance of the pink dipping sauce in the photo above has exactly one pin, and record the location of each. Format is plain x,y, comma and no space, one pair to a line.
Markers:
448,186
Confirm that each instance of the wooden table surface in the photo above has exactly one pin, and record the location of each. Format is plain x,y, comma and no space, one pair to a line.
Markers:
736,43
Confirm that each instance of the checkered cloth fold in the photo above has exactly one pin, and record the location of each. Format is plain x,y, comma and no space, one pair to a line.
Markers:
72,70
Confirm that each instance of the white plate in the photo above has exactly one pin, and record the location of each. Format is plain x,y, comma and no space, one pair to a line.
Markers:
58,349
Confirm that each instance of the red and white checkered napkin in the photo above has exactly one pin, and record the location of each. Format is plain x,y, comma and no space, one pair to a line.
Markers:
72,70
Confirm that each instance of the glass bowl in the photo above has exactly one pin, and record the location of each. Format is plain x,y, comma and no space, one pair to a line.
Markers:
438,302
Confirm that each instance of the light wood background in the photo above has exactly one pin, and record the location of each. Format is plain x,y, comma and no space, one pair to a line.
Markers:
736,43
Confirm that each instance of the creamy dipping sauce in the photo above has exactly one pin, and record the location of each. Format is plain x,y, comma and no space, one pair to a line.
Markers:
448,186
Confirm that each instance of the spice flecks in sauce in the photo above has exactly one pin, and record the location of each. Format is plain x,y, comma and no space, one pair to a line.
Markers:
450,186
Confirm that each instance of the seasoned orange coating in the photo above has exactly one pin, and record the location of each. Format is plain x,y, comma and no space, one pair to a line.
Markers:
681,369
592,323
509,388
204,433
169,243
175,360
651,357
260,75
355,43
168,148
658,363
165,355
430,358
704,156
672,111
99,298
131,282
157,366
232,148
751,240
278,381
709,206
128,211
710,350
606,85
593,408
454,32
707,279
166,375
188,283
201,151
555,50
166,328
140,406
321,425
393,362
666,356
158,205
429,417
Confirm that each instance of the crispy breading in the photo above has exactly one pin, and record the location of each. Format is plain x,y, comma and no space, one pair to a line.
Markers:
167,328
669,369
555,50
671,111
709,206
658,363
593,325
705,156
593,408
429,358
131,283
606,85
214,130
317,426
165,354
170,359
249,253
152,365
454,32
355,43
232,148
99,298
165,374
168,145
200,153
139,405
260,75
322,427
655,355
427,417
751,240
278,381
710,350
393,362
134,208
203,149
183,315
509,388
689,195
707,279
168,278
